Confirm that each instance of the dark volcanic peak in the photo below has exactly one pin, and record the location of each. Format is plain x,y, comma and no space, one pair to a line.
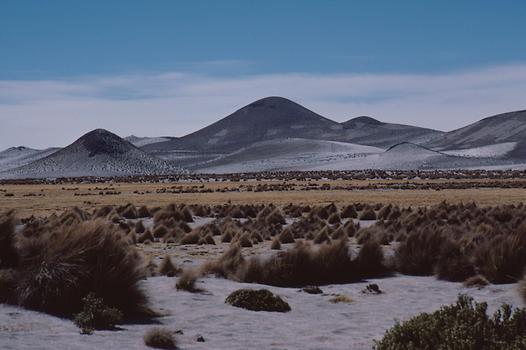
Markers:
265,119
100,141
97,153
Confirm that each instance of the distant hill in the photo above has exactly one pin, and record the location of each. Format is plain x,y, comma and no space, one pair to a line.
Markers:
497,129
265,119
97,153
369,131
279,118
15,157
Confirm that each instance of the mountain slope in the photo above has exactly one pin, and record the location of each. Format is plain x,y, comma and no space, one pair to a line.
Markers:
265,119
138,141
97,153
497,129
279,118
369,131
284,154
15,157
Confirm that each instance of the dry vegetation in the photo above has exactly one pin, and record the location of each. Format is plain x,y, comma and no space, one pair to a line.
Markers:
58,262
44,197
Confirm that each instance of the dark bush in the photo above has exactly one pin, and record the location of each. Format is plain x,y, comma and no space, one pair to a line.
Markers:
167,268
453,264
95,315
502,259
8,253
257,300
418,254
463,325
368,214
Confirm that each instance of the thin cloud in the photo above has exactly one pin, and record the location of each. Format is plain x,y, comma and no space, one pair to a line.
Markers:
55,112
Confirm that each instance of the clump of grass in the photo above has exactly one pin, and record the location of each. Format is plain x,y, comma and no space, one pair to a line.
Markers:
187,281
8,280
257,300
367,214
96,315
478,281
303,265
418,254
341,298
276,245
503,258
160,338
61,266
8,253
452,263
167,268
286,236
463,325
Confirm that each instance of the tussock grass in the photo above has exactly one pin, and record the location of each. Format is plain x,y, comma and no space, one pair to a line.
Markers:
59,267
160,338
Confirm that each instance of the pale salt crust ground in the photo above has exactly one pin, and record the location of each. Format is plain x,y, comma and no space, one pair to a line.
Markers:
313,323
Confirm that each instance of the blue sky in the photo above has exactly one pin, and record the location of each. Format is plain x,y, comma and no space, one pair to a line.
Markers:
79,45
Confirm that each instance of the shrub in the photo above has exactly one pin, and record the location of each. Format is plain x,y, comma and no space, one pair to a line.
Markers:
340,298
227,265
167,268
418,254
463,325
478,281
368,214
257,300
61,266
187,282
8,253
139,227
275,244
96,315
370,260
334,219
452,263
502,259
286,236
349,212
8,280
160,338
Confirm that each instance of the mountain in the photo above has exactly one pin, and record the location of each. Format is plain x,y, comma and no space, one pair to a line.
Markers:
284,154
15,157
265,119
97,153
499,129
279,118
369,131
138,141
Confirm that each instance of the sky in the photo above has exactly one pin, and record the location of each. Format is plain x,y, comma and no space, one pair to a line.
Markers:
156,68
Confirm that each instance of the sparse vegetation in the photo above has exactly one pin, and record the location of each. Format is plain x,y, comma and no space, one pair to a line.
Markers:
463,325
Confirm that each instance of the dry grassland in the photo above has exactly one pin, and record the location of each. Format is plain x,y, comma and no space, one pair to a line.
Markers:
43,199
